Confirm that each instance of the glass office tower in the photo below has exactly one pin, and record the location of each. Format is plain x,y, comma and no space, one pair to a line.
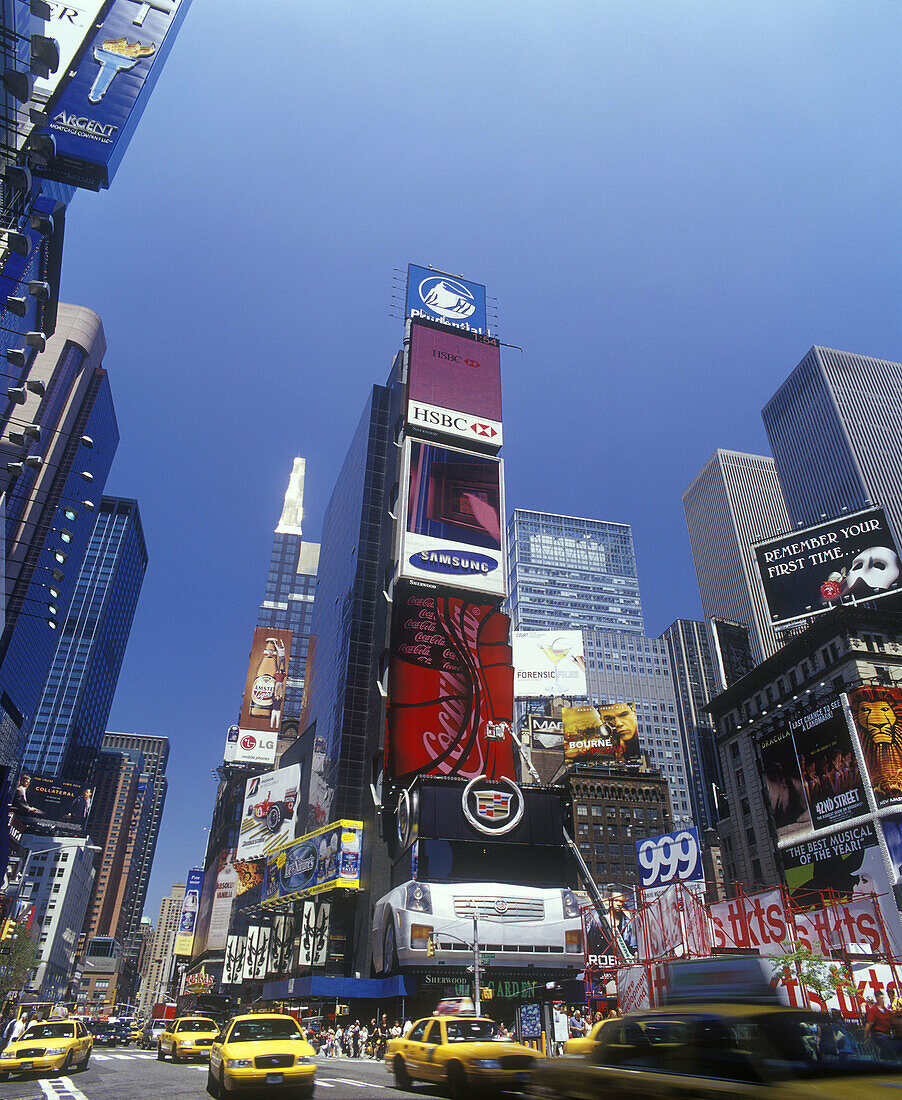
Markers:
70,719
566,572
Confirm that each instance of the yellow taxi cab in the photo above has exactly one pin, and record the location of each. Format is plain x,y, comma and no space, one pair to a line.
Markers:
57,1046
261,1051
465,1053
187,1037
585,1043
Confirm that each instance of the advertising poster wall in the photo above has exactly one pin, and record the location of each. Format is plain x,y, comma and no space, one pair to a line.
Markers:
669,857
452,530
877,715
326,859
52,806
264,693
548,663
850,560
611,730
184,938
100,106
270,812
783,783
448,299
220,887
450,700
454,384
609,935
832,784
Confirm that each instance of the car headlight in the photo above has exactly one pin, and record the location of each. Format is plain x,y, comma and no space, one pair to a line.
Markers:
238,1063
186,1042
419,898
486,1063
302,1061
50,1051
570,903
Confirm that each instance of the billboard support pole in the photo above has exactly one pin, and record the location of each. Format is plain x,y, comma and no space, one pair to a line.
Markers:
523,757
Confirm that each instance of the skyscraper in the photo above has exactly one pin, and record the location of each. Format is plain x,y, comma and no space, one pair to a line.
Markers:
567,572
70,720
156,754
290,585
733,502
835,427
161,953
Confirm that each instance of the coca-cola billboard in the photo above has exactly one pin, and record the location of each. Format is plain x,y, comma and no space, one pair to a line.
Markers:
451,686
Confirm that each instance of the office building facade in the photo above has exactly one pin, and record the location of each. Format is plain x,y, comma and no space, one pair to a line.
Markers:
835,427
733,502
565,572
161,954
68,726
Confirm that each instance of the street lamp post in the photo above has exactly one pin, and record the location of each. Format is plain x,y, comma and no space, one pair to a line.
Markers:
477,999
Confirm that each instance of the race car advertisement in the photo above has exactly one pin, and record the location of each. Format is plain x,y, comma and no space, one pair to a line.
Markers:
270,812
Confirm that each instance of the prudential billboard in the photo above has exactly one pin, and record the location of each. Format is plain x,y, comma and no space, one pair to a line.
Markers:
98,109
448,299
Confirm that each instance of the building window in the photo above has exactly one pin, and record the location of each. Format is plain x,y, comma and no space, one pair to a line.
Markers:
582,811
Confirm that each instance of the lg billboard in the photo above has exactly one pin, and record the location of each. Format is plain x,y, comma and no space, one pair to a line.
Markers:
454,385
843,562
451,531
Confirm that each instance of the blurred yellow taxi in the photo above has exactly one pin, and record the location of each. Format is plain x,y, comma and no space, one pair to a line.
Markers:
585,1043
187,1037
57,1046
720,1050
467,1054
260,1051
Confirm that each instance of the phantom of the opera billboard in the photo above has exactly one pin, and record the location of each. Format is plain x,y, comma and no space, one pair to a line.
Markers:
454,385
270,812
448,299
609,731
450,696
810,772
876,712
52,806
451,532
549,663
845,561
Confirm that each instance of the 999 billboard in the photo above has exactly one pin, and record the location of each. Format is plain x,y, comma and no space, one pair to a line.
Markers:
845,561
451,688
451,532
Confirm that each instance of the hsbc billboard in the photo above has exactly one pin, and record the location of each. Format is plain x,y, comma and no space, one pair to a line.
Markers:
454,385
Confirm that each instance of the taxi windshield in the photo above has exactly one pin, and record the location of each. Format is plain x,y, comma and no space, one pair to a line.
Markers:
50,1031
472,1031
812,1045
197,1025
249,1031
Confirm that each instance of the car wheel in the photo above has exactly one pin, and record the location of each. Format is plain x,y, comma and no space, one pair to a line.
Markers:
66,1066
275,817
84,1064
402,1078
223,1087
161,1057
457,1081
212,1084
390,946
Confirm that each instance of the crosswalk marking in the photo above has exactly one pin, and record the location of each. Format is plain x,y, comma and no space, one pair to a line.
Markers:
61,1088
348,1081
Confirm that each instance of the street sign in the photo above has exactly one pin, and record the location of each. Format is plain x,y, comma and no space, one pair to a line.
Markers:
484,955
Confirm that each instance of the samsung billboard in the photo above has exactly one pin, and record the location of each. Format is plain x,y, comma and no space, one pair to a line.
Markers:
454,385
451,532
843,562
447,299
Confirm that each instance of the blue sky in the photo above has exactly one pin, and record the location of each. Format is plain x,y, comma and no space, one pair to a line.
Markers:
671,203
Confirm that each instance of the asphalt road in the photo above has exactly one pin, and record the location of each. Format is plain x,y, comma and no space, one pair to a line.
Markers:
130,1074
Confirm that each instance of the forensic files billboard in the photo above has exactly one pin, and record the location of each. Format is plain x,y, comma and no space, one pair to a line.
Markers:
830,776
450,696
270,812
599,732
98,109
454,385
451,531
264,692
448,299
52,806
548,663
877,714
326,859
184,937
843,562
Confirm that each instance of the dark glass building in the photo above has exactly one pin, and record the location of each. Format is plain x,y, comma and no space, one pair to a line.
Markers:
70,720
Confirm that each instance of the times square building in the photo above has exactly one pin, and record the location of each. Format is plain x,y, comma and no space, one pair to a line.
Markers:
408,712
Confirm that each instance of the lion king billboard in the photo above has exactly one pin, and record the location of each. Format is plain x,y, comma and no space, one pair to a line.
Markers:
876,713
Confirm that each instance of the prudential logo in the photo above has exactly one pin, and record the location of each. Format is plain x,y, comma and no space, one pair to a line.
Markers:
447,297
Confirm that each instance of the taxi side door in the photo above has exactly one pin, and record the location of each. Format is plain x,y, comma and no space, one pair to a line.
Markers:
84,1041
433,1066
413,1049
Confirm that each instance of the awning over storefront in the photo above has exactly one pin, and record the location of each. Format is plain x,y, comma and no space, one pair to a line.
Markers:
329,987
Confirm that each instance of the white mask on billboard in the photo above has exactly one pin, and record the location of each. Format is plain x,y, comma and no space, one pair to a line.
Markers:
877,567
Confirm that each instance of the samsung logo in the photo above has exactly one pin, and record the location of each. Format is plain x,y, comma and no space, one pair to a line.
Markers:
444,561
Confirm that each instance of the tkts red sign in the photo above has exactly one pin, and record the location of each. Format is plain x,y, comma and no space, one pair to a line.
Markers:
451,683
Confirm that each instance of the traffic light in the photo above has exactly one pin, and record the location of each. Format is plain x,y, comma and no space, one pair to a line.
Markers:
486,993
6,934
430,947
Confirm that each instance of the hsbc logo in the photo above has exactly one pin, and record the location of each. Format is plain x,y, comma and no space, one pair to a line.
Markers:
448,358
453,423
486,431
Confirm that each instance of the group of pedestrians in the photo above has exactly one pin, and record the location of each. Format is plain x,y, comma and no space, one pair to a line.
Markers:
361,1041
